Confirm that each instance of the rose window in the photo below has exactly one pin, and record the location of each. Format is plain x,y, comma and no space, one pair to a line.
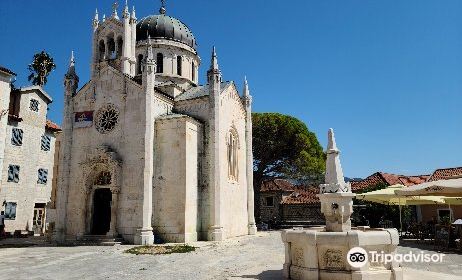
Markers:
106,119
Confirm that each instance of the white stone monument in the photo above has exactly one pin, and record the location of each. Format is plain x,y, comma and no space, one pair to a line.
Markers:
331,252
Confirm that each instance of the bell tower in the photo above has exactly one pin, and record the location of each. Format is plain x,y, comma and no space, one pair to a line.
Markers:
113,41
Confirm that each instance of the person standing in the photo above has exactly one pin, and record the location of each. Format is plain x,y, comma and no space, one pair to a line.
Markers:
2,225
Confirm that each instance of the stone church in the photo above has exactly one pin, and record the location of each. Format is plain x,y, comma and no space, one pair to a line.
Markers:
148,151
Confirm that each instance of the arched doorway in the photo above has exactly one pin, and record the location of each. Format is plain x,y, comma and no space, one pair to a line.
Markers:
101,220
102,173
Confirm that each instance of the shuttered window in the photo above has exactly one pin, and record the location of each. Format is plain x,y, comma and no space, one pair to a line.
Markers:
34,105
10,210
42,176
13,173
16,136
45,145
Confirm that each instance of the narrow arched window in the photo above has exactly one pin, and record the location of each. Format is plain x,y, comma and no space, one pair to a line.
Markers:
160,63
193,72
179,61
111,48
233,159
120,44
139,62
102,50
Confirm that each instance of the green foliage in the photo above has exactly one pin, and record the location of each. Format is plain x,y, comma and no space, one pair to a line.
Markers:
42,65
283,147
160,249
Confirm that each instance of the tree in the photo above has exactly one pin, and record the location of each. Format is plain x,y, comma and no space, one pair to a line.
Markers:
283,147
42,65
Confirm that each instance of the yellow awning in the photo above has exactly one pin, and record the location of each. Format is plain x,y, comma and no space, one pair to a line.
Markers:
387,196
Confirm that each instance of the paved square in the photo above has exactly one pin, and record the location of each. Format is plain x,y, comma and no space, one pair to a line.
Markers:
248,257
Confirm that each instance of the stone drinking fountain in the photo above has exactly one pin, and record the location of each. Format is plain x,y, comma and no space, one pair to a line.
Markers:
338,251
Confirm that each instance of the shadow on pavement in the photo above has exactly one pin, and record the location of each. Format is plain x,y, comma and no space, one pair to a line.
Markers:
266,275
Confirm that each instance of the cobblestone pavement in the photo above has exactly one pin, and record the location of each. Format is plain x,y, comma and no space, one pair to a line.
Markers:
259,257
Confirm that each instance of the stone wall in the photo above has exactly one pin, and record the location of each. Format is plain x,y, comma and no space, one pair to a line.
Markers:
30,158
126,140
279,213
270,214
4,104
233,197
175,195
302,212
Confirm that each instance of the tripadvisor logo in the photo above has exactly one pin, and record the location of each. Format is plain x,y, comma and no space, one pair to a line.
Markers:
357,257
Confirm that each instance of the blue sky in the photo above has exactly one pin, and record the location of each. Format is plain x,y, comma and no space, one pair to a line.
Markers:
386,75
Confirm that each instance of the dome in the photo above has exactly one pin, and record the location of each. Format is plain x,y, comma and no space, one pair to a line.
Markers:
165,27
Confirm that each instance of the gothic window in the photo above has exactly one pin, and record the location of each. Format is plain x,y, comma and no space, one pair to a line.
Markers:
111,48
140,61
120,44
160,63
42,176
13,173
16,136
233,145
106,119
46,143
34,105
193,72
102,50
103,179
10,210
179,61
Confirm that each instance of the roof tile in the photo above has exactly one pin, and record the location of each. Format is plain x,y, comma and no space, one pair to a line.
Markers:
446,173
276,185
302,195
52,126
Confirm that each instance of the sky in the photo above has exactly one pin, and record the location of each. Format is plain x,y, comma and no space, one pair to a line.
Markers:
385,75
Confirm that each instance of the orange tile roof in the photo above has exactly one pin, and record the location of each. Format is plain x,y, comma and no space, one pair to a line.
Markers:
387,179
372,180
302,195
445,173
52,126
276,185
413,180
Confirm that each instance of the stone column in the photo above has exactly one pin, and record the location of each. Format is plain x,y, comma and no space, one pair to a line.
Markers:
145,235
215,231
71,82
114,205
89,212
249,159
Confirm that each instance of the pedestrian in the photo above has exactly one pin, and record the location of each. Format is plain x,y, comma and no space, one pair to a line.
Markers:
2,224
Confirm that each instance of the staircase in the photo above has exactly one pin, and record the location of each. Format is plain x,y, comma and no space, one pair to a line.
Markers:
97,240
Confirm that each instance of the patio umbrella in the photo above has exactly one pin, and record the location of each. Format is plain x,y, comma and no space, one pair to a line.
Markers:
387,196
453,200
450,187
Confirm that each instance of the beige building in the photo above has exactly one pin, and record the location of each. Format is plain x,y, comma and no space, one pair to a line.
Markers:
147,150
27,142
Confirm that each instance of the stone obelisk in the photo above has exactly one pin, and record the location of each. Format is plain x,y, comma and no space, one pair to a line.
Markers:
335,195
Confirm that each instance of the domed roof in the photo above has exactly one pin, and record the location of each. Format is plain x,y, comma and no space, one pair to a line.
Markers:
164,27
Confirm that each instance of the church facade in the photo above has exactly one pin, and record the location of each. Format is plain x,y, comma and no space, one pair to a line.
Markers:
148,151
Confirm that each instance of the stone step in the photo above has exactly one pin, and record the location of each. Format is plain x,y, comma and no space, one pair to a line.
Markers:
96,243
97,240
